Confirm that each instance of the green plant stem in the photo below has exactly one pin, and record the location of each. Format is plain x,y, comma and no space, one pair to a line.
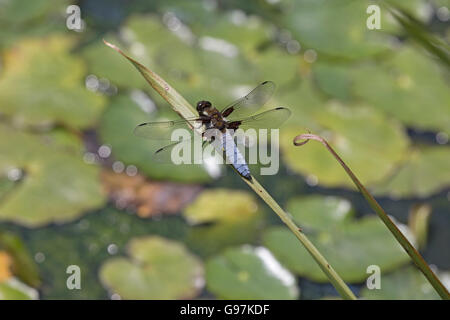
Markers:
409,248
334,278
185,110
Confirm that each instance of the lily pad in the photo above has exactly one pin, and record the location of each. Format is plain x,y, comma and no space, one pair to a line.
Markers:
19,18
425,172
320,213
247,34
51,184
276,65
409,87
116,130
350,245
21,263
306,104
195,72
339,28
334,79
13,289
404,284
105,63
42,84
370,144
156,268
222,218
249,273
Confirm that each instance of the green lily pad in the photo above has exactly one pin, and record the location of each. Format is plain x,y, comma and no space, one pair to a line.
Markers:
305,102
319,212
371,145
276,65
349,245
222,218
156,268
195,72
425,172
23,265
19,18
13,289
116,130
247,35
333,79
42,84
51,185
409,87
404,284
339,28
218,205
249,273
105,63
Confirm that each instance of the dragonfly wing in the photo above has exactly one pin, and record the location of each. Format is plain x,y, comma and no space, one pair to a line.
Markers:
162,130
185,151
164,154
249,104
270,119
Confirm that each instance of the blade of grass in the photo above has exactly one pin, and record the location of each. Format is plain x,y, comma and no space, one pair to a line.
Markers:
185,110
409,248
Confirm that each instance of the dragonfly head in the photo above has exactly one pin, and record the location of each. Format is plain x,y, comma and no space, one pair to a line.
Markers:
203,106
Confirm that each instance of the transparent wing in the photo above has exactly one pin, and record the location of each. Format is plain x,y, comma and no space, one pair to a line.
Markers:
249,104
184,151
270,119
164,154
162,130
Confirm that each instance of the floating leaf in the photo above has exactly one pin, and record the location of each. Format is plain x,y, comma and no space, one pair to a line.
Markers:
116,130
403,284
18,259
320,213
156,268
409,87
13,289
197,73
345,34
100,60
222,218
19,18
350,245
249,273
339,28
50,184
247,35
42,84
333,79
425,172
369,143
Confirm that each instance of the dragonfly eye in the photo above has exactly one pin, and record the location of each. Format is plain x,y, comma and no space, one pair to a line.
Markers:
202,105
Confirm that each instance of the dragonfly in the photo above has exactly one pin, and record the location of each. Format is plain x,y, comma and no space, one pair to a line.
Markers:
240,114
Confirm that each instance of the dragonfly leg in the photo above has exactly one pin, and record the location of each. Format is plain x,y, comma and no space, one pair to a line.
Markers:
234,125
227,112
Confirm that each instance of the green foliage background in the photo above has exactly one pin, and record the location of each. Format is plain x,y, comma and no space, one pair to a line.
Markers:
378,96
